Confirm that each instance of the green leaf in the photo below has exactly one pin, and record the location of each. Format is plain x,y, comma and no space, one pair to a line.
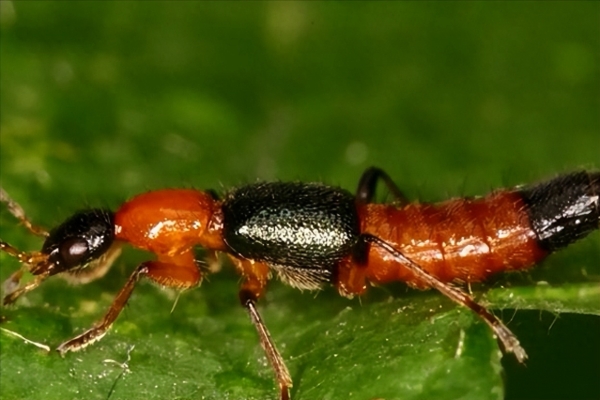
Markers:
581,298
417,346
100,101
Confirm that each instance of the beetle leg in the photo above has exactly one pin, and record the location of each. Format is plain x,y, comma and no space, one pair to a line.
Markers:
505,336
256,275
368,184
178,272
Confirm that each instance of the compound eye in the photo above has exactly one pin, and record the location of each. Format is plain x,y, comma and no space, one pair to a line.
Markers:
74,252
81,239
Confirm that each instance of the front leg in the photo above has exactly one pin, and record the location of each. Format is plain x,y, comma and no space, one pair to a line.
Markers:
179,272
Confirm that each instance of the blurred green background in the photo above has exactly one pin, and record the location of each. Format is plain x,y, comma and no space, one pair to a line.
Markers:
102,100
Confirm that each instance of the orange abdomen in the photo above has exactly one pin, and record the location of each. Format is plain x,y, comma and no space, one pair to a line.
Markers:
457,240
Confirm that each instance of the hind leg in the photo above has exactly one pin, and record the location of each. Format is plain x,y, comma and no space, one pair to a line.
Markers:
368,184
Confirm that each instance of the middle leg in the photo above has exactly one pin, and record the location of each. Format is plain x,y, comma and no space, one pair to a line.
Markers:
256,275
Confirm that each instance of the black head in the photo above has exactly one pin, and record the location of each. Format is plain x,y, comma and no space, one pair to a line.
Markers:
79,240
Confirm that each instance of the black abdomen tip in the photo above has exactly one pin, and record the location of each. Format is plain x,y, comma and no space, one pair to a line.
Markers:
564,209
